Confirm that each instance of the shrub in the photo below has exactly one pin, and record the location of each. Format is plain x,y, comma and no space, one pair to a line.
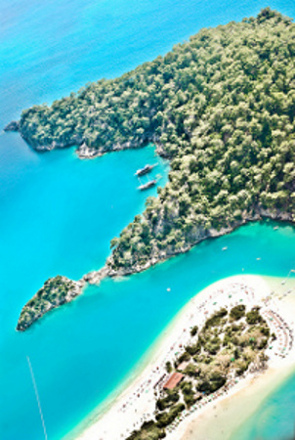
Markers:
168,367
253,317
237,312
193,349
194,330
215,319
148,431
191,370
165,418
171,398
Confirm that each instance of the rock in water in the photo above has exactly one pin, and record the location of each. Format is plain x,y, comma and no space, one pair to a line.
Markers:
55,292
12,126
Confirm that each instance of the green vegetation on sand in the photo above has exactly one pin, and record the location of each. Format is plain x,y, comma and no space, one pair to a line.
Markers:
226,351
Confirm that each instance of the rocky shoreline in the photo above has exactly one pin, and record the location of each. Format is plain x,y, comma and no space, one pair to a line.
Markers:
39,305
95,277
83,150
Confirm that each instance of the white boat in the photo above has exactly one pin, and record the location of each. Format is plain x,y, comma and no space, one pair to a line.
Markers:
147,185
146,169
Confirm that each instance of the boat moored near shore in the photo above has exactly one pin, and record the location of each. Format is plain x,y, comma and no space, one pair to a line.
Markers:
147,185
146,169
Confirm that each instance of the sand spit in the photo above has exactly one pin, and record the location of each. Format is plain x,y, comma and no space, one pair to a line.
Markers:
137,403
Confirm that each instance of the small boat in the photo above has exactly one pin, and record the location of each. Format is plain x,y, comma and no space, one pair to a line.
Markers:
146,169
147,185
224,248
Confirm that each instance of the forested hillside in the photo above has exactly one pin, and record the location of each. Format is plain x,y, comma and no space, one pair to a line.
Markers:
221,107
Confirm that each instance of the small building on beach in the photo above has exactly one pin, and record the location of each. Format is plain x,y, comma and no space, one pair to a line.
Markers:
173,381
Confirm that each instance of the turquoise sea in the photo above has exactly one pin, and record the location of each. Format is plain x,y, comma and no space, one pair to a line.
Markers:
58,215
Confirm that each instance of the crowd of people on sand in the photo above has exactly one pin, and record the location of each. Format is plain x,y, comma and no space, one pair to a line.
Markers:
283,332
231,295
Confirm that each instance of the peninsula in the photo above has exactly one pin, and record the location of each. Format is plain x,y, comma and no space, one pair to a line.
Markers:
220,107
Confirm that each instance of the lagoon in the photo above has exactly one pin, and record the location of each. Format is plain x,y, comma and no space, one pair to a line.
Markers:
58,214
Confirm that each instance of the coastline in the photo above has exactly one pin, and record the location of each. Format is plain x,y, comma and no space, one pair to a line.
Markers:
229,414
96,276
131,380
121,119
236,408
99,426
65,350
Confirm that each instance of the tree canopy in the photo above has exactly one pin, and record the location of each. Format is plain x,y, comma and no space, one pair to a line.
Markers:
221,107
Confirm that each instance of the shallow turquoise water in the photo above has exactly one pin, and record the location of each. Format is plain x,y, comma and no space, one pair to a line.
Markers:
58,213
275,418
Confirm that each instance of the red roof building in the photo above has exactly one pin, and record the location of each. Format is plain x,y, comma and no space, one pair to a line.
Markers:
173,381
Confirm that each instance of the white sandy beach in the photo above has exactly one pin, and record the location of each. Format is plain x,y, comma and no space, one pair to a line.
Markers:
137,402
237,407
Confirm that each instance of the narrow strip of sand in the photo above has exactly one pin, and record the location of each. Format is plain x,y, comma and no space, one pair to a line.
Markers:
137,403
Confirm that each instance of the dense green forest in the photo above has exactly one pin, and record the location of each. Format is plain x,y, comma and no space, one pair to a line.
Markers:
221,107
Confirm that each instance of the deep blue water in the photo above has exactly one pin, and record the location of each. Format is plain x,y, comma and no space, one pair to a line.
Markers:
58,213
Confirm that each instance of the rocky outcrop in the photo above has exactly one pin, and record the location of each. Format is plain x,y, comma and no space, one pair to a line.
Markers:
275,215
55,145
85,152
12,126
96,276
55,292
